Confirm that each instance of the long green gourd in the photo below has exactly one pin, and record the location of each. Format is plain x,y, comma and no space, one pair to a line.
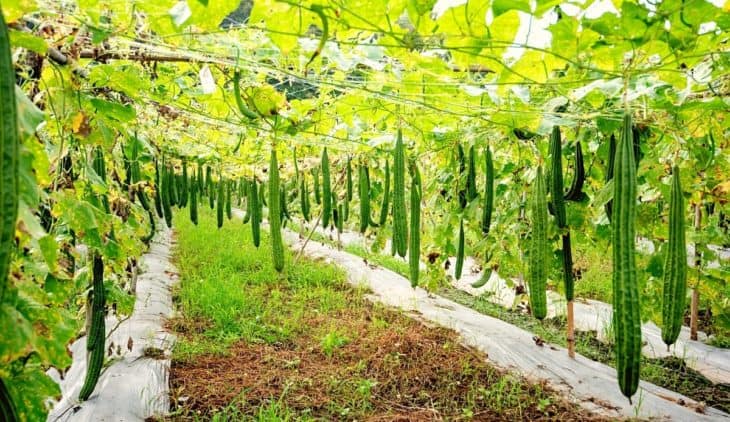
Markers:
538,248
194,202
255,214
488,192
7,407
460,251
304,197
229,205
277,244
209,188
249,208
262,196
348,175
200,181
556,177
9,156
462,171
95,339
575,193
100,169
675,266
158,190
626,313
558,204
326,190
221,200
166,207
348,193
471,177
174,187
364,195
317,193
184,194
414,249
339,221
386,196
609,173
400,220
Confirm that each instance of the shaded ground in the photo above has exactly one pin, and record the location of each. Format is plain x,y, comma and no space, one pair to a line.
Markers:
306,346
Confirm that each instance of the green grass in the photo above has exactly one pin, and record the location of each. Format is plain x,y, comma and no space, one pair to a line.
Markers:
307,346
273,306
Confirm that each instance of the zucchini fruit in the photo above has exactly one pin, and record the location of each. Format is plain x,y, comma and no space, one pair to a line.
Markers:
96,337
277,244
538,248
675,266
626,312
400,220
9,155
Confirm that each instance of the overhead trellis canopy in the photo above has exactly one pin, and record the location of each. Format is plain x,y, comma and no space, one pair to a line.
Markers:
345,74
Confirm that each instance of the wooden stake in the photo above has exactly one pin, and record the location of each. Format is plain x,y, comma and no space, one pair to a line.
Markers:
571,331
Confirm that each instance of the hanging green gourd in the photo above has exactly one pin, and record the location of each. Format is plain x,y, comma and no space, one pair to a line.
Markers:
255,213
488,192
221,200
9,158
304,197
626,312
194,202
229,206
575,192
400,220
386,196
471,177
95,339
364,195
609,173
166,195
249,209
317,193
326,190
462,173
277,244
675,266
460,250
184,187
158,191
414,248
537,280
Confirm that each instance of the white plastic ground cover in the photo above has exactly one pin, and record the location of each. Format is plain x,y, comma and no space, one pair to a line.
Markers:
135,385
590,315
589,383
